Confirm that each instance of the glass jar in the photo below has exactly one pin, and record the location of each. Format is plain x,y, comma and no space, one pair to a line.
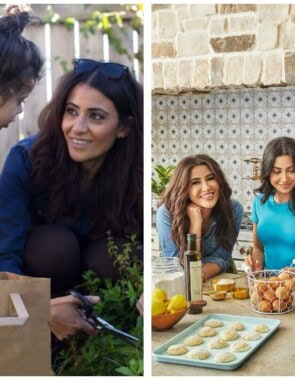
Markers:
168,274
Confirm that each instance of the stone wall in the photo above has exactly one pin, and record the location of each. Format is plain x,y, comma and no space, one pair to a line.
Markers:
199,47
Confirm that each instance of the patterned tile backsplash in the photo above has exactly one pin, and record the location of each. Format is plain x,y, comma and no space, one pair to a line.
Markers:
229,125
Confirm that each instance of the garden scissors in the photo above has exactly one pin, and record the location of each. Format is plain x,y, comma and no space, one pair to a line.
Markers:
97,322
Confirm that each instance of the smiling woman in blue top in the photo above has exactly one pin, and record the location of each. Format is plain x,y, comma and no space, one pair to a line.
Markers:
273,212
198,200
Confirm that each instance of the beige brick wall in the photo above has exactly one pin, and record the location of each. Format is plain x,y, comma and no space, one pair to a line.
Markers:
198,47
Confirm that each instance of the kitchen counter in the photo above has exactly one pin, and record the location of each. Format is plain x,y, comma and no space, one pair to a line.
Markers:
276,357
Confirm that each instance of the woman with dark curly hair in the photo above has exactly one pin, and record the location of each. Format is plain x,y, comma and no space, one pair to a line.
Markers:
273,212
198,200
20,62
79,179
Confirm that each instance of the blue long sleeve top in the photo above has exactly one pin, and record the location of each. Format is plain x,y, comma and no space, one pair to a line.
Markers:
212,252
24,205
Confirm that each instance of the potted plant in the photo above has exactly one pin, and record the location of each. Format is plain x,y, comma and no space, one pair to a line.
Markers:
164,174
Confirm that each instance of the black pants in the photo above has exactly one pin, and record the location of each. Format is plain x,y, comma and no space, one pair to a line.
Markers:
54,251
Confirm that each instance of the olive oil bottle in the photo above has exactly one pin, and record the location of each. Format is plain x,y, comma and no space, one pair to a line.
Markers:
193,274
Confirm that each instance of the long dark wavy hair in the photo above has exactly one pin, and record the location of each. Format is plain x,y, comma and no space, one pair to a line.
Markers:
279,146
20,59
176,200
114,200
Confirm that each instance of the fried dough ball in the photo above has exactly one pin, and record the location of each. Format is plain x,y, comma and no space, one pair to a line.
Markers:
289,284
274,282
269,295
282,292
284,276
265,306
279,305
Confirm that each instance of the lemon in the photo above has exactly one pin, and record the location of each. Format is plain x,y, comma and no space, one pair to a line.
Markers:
159,294
159,301
176,303
158,306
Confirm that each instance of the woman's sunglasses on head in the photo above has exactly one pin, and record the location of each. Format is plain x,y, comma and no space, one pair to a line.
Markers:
110,70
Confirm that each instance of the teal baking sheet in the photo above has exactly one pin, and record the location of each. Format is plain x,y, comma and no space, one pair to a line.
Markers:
160,353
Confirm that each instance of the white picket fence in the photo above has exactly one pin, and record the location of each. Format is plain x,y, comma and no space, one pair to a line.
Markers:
58,44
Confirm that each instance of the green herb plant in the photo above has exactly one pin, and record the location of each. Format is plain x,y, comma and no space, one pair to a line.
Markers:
107,354
164,175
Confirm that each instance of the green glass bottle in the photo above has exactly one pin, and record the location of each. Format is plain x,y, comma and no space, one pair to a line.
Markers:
193,274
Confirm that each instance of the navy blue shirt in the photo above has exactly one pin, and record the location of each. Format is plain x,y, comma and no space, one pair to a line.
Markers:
24,205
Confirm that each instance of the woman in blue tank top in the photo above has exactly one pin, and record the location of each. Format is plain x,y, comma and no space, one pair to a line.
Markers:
273,212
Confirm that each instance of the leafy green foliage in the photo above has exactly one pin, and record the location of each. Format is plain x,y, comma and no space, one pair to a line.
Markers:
164,176
110,23
108,354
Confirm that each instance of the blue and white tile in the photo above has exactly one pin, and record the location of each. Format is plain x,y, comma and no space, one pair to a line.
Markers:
173,131
247,115
260,99
260,115
184,101
274,99
185,146
234,100
208,101
162,132
161,102
234,115
274,115
220,101
161,117
247,99
221,117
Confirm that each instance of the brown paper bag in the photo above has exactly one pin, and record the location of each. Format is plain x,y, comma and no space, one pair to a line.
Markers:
24,325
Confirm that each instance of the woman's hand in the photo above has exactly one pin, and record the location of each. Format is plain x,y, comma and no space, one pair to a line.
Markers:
255,264
256,260
139,304
66,319
194,214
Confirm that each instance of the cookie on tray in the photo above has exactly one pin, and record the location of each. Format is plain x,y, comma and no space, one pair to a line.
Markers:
239,347
177,349
251,335
193,340
217,343
229,334
261,328
198,354
238,326
224,357
213,323
206,331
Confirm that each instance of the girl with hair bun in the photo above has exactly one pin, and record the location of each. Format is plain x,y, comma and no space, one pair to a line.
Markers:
20,63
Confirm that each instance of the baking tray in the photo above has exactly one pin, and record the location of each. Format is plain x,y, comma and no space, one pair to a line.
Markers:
160,354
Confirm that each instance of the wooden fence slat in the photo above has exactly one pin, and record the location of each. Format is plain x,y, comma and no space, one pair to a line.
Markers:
62,48
91,46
